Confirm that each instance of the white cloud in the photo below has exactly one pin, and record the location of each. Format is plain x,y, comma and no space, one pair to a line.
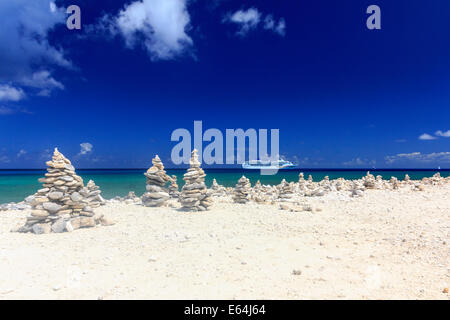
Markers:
24,38
9,93
246,19
359,162
86,148
4,159
5,111
46,154
160,26
249,19
419,157
445,134
427,136
270,24
21,153
43,81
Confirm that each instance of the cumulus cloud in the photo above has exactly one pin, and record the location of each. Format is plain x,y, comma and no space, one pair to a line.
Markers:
86,148
46,154
438,157
427,136
359,162
248,20
21,153
24,39
43,81
445,134
4,159
6,111
271,24
9,93
160,26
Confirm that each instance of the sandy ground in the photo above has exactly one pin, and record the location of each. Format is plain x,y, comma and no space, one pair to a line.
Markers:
386,245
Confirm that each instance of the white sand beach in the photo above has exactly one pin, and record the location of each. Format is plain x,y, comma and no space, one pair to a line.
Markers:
388,244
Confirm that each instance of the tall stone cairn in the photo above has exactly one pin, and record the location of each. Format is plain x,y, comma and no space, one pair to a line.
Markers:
157,194
59,206
194,194
173,188
242,191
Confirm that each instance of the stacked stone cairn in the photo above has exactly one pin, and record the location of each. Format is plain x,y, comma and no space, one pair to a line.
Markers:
173,188
418,187
286,192
310,183
369,181
131,198
325,182
59,206
436,179
301,182
379,182
357,189
257,193
394,183
217,190
157,194
242,190
340,184
92,195
194,194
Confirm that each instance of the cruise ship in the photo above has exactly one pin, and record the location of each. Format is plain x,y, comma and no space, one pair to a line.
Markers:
260,164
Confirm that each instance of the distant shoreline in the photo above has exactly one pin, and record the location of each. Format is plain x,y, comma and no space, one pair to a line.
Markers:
248,170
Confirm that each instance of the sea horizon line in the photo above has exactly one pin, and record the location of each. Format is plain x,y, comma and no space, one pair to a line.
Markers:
241,169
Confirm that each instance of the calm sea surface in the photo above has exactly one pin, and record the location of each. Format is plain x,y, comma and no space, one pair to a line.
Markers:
15,185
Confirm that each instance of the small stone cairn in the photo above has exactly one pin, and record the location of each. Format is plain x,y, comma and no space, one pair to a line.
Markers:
194,194
242,190
325,182
340,184
217,190
157,194
132,198
407,179
369,181
310,183
286,192
173,188
257,193
301,182
59,206
92,194
394,183
357,189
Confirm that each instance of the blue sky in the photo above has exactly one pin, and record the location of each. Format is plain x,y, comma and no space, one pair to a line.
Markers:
110,95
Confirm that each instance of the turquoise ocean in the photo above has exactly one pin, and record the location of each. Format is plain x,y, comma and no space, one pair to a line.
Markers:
15,185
